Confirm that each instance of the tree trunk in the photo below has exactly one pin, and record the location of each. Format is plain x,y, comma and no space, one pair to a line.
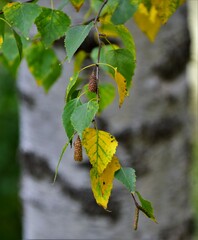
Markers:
153,130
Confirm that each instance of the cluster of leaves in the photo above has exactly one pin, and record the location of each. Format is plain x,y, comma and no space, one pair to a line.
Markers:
85,101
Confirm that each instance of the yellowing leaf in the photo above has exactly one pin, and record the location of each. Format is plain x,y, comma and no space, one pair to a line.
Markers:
148,21
77,4
100,147
102,183
166,8
122,88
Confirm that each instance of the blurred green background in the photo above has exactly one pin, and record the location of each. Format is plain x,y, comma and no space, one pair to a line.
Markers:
10,207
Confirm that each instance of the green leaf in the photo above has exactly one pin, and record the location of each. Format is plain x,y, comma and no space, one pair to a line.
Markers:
111,30
146,207
52,24
18,42
127,177
71,86
9,46
11,66
83,115
74,38
124,11
43,64
107,94
21,15
77,4
124,61
66,116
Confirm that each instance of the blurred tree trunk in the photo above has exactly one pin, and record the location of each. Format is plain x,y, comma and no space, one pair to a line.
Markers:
153,130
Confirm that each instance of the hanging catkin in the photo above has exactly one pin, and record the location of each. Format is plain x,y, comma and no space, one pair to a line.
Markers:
78,150
93,86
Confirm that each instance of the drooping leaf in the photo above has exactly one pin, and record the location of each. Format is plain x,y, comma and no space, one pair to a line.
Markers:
102,184
146,207
52,24
100,147
124,11
71,86
124,61
74,38
77,4
66,116
148,21
21,15
127,177
122,87
166,8
83,115
43,64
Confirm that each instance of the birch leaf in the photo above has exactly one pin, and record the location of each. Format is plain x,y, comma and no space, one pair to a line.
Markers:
122,88
100,147
83,115
124,61
166,8
102,183
146,207
21,15
77,4
66,116
148,21
127,177
74,38
52,24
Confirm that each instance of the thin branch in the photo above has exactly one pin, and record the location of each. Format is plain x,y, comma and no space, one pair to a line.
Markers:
99,41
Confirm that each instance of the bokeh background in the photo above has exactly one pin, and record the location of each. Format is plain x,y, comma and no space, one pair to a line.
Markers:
11,174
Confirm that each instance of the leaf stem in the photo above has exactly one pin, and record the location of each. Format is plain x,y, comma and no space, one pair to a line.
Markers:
6,22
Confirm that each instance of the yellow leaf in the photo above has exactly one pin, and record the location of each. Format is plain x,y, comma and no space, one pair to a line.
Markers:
166,8
122,88
102,183
100,147
77,4
148,21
